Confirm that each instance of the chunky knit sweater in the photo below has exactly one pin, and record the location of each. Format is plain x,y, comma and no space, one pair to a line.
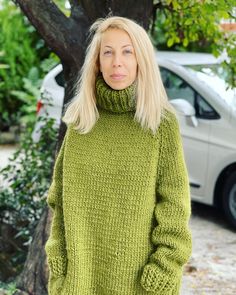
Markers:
121,205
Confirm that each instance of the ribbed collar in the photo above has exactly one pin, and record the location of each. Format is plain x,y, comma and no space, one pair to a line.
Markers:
117,101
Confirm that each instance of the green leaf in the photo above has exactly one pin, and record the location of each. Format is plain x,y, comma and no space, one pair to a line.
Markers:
168,2
185,42
177,39
2,66
170,42
21,95
188,22
224,14
176,5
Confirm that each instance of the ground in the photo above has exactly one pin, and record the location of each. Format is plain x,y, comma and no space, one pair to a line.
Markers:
212,267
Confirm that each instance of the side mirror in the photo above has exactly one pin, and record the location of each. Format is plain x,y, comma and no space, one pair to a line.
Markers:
184,108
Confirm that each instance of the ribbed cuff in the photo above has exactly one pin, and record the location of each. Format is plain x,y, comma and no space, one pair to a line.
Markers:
153,280
57,266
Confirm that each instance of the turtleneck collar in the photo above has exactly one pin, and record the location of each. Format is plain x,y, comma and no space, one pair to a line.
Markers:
117,101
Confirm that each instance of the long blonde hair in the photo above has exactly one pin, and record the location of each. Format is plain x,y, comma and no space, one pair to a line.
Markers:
151,96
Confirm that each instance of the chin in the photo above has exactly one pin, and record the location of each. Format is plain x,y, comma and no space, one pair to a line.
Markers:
119,86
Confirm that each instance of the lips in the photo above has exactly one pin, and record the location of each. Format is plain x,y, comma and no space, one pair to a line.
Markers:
117,76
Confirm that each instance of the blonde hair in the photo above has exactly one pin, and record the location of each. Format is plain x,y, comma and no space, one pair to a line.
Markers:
151,96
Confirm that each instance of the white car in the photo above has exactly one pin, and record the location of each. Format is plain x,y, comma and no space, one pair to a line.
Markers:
207,115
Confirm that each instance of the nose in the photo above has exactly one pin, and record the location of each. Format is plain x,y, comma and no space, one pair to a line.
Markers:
117,62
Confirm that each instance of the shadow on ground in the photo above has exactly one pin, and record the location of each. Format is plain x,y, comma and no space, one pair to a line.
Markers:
211,214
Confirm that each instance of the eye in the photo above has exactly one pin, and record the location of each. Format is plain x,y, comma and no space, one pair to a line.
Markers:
127,51
107,52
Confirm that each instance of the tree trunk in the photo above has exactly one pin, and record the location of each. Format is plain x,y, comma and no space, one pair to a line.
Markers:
33,279
67,38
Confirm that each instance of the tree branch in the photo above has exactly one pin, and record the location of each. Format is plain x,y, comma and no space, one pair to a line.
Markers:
75,8
54,27
74,4
232,15
130,9
79,18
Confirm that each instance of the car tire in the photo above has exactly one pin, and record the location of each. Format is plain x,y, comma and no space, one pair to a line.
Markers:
229,198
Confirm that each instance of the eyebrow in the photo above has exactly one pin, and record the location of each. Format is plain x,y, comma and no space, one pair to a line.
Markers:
121,47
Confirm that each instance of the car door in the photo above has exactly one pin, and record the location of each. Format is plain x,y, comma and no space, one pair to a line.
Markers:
195,139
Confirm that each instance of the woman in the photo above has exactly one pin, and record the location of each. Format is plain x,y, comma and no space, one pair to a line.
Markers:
120,192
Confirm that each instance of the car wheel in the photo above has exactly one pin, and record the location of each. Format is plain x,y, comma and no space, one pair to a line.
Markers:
229,198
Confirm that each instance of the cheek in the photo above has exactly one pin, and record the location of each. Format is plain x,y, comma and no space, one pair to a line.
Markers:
132,63
133,67
103,65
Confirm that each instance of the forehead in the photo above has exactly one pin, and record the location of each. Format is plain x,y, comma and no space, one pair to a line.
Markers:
115,37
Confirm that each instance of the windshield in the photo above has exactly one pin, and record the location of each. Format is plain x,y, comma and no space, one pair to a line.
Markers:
214,76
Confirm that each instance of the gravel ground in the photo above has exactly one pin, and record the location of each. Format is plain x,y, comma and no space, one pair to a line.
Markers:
212,267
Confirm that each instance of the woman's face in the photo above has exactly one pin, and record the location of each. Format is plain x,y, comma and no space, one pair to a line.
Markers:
117,58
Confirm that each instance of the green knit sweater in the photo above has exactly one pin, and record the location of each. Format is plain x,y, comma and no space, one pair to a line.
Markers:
121,205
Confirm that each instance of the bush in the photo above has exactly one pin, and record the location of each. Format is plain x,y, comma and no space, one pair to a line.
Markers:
28,177
7,289
21,49
31,90
195,26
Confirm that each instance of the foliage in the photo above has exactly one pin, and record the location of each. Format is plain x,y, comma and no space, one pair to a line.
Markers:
27,177
8,289
21,49
195,26
63,5
31,89
3,66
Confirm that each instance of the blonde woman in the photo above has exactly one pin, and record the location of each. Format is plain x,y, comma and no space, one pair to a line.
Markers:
120,192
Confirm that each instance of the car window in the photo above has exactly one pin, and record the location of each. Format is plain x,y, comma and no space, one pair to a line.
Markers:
204,110
176,87
60,79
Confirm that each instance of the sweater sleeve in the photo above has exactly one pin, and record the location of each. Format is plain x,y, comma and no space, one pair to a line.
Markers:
55,246
172,237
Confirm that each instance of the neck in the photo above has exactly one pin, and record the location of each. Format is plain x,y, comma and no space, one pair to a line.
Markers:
117,101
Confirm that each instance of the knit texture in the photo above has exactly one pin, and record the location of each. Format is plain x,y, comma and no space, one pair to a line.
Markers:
117,101
121,205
